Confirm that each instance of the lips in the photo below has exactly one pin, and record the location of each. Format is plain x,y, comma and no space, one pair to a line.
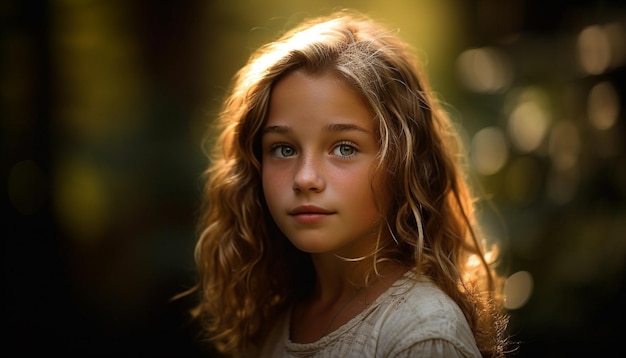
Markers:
309,209
309,214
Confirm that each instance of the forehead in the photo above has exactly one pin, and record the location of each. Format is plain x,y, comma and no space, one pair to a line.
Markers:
317,97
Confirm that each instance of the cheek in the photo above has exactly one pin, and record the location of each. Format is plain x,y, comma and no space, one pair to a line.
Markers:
384,194
265,180
361,193
378,198
273,185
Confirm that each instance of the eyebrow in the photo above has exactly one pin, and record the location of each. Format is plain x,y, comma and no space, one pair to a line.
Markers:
341,127
334,127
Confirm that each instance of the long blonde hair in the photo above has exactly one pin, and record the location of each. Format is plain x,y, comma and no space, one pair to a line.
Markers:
249,272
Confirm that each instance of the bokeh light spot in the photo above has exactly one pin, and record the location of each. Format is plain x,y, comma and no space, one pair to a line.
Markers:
528,125
484,70
603,105
489,151
517,289
564,145
594,50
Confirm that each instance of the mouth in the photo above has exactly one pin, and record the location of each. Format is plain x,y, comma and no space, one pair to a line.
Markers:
309,214
309,210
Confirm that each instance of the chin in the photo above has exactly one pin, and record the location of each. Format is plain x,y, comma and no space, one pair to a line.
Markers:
312,247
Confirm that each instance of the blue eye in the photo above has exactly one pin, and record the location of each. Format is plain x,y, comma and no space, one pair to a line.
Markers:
283,151
344,150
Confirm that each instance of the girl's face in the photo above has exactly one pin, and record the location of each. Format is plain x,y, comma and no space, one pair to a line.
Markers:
319,149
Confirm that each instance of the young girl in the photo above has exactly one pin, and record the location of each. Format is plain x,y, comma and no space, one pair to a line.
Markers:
338,222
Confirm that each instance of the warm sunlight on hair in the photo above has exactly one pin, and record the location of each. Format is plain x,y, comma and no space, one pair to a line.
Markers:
273,53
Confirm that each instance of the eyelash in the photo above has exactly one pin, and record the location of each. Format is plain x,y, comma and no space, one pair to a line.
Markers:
346,144
274,149
279,146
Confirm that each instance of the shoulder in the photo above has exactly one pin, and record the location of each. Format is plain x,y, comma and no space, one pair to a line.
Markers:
420,316
273,344
422,301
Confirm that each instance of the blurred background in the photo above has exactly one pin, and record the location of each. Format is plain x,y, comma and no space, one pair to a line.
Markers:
104,104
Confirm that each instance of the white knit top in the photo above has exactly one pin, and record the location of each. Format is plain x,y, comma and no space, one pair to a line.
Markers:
413,318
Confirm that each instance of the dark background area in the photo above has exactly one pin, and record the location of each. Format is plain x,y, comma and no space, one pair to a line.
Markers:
104,104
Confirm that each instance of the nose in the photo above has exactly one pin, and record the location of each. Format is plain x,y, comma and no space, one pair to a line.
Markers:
308,176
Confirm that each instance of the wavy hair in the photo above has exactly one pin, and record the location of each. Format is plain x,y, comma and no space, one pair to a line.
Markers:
248,272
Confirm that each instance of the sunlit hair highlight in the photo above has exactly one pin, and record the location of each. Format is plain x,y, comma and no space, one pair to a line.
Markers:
249,272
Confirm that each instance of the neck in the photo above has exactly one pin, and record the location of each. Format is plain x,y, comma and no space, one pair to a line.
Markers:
340,294
337,278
